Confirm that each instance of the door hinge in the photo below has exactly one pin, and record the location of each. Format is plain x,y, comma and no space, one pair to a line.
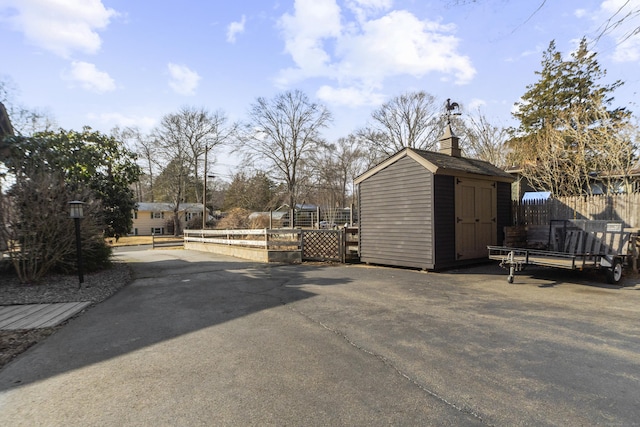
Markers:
458,219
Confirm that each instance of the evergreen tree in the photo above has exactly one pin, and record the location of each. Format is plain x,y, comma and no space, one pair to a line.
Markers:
568,97
87,160
254,193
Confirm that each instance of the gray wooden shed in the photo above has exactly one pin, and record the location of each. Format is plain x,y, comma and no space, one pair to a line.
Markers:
432,210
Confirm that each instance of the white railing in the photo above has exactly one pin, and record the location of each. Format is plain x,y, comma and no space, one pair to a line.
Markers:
275,239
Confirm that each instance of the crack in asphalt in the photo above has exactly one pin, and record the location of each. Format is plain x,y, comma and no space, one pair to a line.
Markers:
389,364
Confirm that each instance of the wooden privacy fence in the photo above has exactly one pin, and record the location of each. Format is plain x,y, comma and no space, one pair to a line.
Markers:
620,207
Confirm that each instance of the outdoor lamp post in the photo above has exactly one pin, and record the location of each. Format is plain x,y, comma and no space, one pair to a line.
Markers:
75,208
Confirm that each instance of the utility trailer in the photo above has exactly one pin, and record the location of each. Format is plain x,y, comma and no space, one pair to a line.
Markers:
573,245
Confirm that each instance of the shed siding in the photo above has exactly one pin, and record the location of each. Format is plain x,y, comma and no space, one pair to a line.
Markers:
396,225
444,219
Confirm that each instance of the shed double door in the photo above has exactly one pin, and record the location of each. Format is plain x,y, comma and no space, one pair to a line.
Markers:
476,226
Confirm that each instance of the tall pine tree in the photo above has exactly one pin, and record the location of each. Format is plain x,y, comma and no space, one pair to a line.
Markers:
565,118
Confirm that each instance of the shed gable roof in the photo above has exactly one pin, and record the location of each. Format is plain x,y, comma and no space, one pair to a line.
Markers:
442,164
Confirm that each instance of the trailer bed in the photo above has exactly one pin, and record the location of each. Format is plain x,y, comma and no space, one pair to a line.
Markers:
585,247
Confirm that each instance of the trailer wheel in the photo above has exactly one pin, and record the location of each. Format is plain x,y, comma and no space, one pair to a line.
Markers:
510,279
614,274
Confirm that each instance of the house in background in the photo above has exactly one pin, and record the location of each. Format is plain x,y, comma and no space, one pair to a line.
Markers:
520,184
432,210
599,183
157,218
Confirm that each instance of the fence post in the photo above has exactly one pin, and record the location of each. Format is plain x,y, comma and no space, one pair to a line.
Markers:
153,240
351,214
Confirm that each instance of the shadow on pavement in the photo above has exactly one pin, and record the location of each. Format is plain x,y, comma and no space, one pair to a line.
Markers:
551,276
173,293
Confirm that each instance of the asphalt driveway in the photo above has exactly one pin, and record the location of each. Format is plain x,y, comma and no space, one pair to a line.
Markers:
200,339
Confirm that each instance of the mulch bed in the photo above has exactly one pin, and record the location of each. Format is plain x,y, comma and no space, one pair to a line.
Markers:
96,288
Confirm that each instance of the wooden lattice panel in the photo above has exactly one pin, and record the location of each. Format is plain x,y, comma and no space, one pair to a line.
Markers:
322,245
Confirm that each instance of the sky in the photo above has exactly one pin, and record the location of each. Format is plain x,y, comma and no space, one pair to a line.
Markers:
107,63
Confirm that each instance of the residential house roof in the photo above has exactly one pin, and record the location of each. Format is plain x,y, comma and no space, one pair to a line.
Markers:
168,207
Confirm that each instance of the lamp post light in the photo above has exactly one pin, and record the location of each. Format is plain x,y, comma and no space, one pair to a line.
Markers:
75,212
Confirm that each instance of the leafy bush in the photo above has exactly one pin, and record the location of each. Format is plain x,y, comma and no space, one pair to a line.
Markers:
96,256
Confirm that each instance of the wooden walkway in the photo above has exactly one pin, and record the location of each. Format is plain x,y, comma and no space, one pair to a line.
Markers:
35,316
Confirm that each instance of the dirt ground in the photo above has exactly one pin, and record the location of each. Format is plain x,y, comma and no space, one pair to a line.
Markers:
13,343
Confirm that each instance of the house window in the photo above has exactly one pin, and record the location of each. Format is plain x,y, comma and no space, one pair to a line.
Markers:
157,230
157,215
135,214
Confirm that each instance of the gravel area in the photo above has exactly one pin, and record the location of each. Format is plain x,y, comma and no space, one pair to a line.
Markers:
56,288
62,288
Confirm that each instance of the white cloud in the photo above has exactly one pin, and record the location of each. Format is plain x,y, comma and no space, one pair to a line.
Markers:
618,15
363,53
364,8
89,77
626,37
111,120
183,80
62,26
580,13
235,28
349,96
475,104
304,32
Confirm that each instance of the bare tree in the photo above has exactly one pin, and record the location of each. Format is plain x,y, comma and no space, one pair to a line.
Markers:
35,225
24,121
281,132
336,165
586,145
484,140
184,138
145,146
413,120
193,132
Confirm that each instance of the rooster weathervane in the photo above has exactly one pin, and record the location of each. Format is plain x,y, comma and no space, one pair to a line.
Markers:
453,108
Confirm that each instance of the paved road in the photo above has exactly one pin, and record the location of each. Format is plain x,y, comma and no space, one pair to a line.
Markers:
199,339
